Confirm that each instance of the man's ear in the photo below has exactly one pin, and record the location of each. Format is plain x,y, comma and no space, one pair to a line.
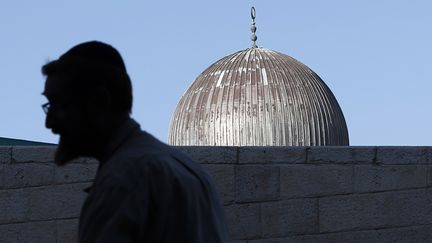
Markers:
100,100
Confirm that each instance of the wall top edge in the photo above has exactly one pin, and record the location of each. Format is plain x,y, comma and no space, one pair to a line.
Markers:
251,147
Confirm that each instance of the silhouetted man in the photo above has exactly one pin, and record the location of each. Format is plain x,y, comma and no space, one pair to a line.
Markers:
144,190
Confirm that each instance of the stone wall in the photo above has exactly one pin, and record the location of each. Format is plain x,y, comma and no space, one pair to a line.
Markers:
270,194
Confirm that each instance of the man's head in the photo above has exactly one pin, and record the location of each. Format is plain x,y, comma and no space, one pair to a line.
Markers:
89,94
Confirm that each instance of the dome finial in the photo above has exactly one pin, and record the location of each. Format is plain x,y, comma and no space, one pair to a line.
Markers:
253,28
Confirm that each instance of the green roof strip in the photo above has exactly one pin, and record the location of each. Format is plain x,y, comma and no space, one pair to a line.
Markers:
21,142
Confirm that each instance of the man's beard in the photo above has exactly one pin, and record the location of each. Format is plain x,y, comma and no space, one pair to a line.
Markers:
70,149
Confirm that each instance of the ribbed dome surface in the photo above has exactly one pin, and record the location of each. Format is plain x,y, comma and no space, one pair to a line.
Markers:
258,97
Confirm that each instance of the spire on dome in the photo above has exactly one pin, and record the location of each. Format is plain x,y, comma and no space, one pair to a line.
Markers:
253,28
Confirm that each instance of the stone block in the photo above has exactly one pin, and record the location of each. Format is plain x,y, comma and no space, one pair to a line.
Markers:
70,198
42,203
55,202
75,172
369,178
430,176
271,240
5,154
289,217
28,232
89,161
67,230
223,175
343,155
33,154
315,180
83,160
403,155
13,206
211,154
271,155
2,176
28,174
243,221
257,183
400,235
375,210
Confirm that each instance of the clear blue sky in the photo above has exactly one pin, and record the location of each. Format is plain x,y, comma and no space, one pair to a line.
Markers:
374,55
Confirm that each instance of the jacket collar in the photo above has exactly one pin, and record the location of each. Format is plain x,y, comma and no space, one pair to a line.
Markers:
118,138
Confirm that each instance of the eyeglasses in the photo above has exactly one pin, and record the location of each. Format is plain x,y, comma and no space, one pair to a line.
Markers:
46,107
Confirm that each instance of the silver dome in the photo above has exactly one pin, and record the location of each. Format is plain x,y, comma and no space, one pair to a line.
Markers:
258,97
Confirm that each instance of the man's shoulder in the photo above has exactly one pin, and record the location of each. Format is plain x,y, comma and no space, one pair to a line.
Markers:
140,144
144,152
